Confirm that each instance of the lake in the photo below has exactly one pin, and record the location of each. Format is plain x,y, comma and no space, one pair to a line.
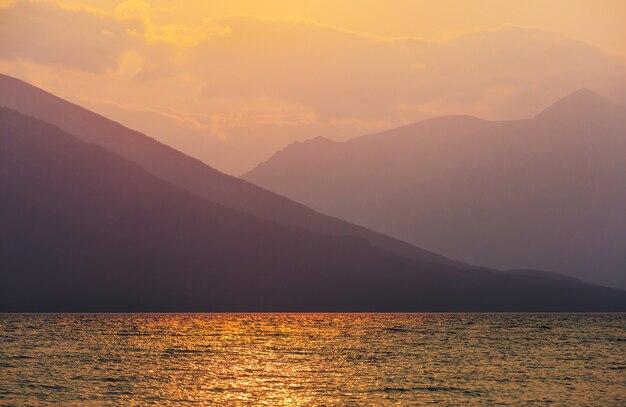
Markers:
312,359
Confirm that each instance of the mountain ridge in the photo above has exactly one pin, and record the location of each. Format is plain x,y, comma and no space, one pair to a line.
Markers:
188,172
87,230
464,186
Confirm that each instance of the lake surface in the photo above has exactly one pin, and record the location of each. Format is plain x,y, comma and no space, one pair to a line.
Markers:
312,359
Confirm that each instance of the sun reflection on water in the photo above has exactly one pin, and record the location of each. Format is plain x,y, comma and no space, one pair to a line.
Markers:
312,359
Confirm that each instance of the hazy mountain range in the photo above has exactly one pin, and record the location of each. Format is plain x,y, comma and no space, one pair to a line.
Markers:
545,193
97,217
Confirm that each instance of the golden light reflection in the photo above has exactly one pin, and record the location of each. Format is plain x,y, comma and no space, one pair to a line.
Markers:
314,359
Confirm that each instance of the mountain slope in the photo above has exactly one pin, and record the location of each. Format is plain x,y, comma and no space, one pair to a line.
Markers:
545,193
85,230
187,172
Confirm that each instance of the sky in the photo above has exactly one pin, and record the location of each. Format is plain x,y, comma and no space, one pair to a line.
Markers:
232,82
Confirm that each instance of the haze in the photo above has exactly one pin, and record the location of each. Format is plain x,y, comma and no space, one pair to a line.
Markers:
232,82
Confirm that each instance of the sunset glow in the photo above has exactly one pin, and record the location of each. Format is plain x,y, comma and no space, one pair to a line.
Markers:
232,82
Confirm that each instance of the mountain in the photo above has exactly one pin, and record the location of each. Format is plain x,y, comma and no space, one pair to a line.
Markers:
544,193
187,172
84,229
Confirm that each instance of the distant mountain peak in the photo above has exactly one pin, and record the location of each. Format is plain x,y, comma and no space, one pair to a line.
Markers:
316,142
582,96
582,101
320,140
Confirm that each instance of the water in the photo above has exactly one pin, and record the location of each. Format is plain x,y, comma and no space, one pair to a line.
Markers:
313,359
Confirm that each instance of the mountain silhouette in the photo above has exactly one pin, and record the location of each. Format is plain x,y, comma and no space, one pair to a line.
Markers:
187,172
543,193
84,229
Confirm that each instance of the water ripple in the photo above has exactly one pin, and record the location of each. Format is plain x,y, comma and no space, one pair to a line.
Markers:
312,359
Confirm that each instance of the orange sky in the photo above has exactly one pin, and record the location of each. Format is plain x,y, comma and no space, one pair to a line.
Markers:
232,82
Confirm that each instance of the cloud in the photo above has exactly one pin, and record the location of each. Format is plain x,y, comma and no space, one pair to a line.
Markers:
512,71
75,38
338,73
342,74
89,39
174,34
